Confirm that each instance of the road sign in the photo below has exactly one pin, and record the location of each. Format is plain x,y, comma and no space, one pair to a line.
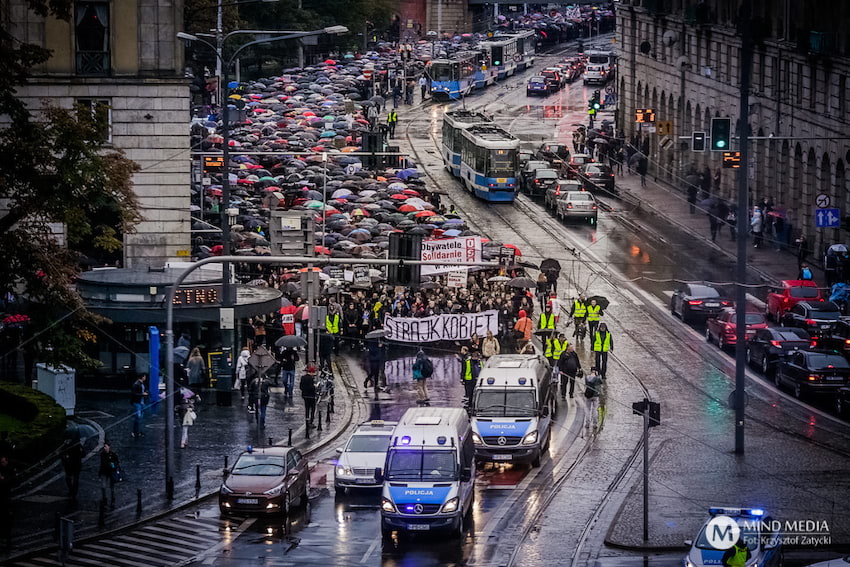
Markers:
822,201
644,115
828,218
664,127
666,143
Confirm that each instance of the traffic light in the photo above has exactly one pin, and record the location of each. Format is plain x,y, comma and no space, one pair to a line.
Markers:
698,141
721,134
404,247
597,100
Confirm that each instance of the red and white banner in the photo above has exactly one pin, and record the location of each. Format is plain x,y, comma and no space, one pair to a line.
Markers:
453,251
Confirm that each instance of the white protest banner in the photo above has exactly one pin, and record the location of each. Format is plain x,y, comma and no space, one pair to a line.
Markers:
456,279
452,251
448,327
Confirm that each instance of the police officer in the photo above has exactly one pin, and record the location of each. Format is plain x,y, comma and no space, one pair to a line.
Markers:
469,370
594,312
332,326
392,120
547,319
578,312
738,555
603,343
555,347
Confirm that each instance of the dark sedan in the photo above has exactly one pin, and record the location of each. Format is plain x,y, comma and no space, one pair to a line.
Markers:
265,481
837,338
768,346
816,317
810,372
597,176
526,174
543,180
697,301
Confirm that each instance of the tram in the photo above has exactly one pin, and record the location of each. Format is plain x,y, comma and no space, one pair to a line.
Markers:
454,123
453,78
510,52
488,162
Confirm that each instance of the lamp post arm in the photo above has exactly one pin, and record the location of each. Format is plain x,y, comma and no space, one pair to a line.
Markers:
269,40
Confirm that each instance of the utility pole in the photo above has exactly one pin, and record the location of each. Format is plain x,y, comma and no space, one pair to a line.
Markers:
743,217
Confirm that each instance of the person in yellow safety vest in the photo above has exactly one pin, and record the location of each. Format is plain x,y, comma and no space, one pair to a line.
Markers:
470,367
546,319
392,120
594,312
332,321
603,343
555,347
736,556
579,313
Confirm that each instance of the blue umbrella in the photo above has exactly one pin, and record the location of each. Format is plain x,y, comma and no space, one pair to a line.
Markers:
452,232
407,173
454,221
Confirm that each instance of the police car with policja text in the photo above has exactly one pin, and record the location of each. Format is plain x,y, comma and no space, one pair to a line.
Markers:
724,528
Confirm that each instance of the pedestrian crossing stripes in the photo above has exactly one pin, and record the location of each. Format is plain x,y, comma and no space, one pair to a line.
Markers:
162,543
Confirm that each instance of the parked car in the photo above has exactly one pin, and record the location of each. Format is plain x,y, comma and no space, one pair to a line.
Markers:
697,301
842,408
265,480
542,180
553,194
365,451
553,78
576,162
596,176
815,317
537,85
837,338
577,205
526,173
788,294
723,329
811,372
768,346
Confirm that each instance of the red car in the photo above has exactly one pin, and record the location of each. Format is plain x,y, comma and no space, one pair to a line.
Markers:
722,329
790,294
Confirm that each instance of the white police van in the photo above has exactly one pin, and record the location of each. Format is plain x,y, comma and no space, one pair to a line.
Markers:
722,530
429,473
512,409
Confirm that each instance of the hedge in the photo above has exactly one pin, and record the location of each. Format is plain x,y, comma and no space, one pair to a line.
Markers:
42,421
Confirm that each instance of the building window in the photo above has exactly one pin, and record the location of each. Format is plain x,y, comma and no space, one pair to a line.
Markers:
842,96
101,111
92,38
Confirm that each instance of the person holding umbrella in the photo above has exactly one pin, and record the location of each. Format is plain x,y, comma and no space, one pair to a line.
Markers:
288,359
376,356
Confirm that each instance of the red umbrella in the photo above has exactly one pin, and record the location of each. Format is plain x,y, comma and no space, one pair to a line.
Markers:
411,192
407,209
308,113
399,197
273,188
323,250
330,62
424,214
215,192
244,182
217,249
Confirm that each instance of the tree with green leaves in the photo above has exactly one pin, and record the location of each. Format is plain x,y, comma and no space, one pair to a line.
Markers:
55,171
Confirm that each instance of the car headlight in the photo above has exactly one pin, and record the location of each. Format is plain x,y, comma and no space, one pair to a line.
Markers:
225,490
687,563
476,439
275,491
450,505
387,505
343,471
530,438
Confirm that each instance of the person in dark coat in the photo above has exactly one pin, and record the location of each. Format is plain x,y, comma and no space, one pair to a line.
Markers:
326,349
569,365
308,393
288,358
376,357
692,189
72,463
108,471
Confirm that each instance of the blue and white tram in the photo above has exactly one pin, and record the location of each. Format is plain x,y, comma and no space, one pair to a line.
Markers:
488,162
454,123
526,47
453,78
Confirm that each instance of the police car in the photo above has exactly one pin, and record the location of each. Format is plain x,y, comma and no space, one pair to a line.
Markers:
722,530
365,451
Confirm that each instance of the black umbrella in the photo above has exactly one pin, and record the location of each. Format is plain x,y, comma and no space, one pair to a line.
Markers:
290,341
601,300
550,265
522,282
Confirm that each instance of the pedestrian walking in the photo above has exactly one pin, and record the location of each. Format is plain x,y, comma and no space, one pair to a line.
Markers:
692,189
556,346
806,273
196,369
7,513
594,313
802,250
642,169
757,226
542,290
705,183
392,121
396,95
423,86
423,369
308,394
288,359
326,349
578,312
490,345
376,357
714,219
263,398
72,464
619,158
187,420
592,393
732,221
522,329
242,371
603,343
109,472
569,367
546,320
138,397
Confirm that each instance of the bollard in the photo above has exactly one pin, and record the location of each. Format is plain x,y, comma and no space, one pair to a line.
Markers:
197,477
169,488
226,469
101,516
308,430
138,502
289,442
319,425
270,442
56,525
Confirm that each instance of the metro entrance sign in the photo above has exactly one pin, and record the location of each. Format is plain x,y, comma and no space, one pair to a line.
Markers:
827,218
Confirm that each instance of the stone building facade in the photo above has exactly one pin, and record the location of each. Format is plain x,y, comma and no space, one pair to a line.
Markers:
123,56
682,59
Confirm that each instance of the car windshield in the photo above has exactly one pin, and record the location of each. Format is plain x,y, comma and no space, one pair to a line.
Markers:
368,444
505,403
823,361
755,319
537,80
533,165
580,196
748,534
803,292
260,465
422,465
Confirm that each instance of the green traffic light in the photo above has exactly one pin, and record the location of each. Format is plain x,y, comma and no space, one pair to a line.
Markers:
720,143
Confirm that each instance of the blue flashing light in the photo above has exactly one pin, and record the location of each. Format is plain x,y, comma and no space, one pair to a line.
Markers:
441,440
757,512
491,381
522,381
405,440
409,508
250,449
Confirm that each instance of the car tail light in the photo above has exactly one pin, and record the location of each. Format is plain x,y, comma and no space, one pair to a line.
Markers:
569,205
537,181
558,192
611,174
777,344
811,322
814,343
847,341
593,207
695,302
725,303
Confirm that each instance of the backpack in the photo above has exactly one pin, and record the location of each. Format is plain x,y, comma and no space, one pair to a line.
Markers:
427,368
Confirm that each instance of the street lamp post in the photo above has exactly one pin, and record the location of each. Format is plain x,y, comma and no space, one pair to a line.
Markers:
228,290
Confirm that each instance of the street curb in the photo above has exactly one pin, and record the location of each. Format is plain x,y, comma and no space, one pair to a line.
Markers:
343,424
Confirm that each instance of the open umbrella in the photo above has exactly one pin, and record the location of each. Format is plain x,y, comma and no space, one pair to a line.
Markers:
376,334
601,300
522,282
550,265
498,279
290,341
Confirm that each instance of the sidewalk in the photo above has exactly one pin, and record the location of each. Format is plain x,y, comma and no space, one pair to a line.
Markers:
219,433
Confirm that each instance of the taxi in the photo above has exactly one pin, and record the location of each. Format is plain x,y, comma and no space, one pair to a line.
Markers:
723,528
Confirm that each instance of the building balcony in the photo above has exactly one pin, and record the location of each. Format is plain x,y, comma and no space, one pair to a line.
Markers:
93,63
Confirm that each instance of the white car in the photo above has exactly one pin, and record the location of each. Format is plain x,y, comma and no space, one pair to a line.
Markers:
721,531
840,562
364,452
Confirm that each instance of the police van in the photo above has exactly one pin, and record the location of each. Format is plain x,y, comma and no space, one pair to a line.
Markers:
512,409
429,473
